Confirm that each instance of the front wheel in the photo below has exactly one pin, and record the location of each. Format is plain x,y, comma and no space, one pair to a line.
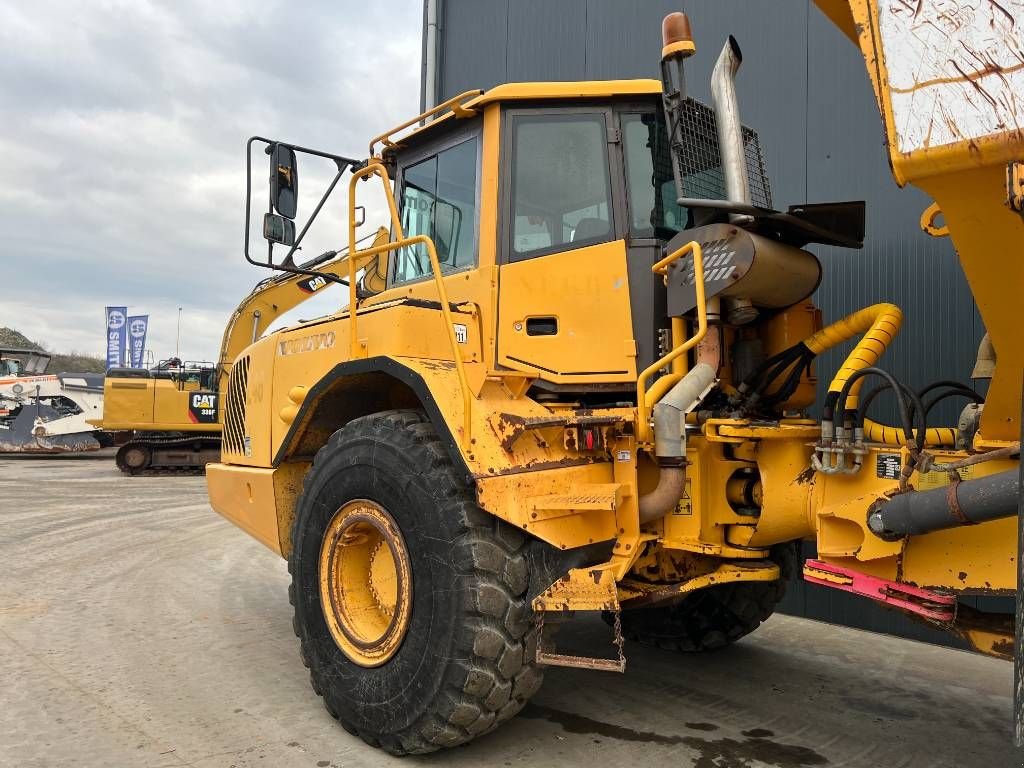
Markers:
410,601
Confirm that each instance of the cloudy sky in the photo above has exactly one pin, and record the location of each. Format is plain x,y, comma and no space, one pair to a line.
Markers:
123,138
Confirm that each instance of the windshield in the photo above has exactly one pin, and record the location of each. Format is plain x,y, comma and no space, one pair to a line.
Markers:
439,200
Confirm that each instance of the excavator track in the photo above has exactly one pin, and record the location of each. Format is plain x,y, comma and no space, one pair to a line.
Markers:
178,455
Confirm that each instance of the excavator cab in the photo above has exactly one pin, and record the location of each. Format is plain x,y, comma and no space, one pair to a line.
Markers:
23,362
9,367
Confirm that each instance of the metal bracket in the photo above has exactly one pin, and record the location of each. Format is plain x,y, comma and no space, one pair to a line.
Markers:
928,225
1015,186
923,602
552,659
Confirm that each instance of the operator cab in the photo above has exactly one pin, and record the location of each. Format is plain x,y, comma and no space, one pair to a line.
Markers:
9,367
23,362
550,203
590,181
189,374
583,184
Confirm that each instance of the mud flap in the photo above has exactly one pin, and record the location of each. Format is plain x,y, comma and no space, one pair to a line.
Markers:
21,438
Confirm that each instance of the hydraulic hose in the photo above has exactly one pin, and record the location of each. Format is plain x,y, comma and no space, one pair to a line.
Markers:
876,432
879,325
883,433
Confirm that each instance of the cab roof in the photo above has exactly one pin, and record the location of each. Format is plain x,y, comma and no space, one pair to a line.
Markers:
470,103
587,89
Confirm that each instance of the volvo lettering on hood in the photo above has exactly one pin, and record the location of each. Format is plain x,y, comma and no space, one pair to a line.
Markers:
306,344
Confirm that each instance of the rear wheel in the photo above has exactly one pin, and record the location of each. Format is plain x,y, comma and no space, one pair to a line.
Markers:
715,617
410,601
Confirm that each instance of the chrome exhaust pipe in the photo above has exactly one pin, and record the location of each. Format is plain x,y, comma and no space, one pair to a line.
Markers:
733,153
727,117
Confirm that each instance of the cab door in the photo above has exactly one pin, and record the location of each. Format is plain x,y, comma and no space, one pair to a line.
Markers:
563,304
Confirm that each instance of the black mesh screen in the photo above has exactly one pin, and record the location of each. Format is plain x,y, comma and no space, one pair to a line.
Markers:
700,162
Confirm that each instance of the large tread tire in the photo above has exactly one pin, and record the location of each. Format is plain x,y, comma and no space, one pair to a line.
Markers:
467,662
715,617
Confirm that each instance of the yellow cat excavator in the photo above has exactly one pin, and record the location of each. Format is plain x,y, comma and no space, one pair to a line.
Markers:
173,410
587,382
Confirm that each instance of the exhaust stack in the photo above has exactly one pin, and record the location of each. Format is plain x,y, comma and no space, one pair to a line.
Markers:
727,116
739,310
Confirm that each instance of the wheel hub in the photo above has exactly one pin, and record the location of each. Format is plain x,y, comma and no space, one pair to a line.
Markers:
365,582
135,458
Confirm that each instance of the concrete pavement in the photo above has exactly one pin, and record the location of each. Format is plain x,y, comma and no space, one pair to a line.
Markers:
137,628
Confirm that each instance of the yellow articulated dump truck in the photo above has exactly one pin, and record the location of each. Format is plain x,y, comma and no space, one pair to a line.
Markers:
172,412
578,375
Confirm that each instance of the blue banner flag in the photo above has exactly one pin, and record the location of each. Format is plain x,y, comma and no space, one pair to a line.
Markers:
117,320
137,327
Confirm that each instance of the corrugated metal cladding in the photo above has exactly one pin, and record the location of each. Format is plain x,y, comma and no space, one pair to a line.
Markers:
804,88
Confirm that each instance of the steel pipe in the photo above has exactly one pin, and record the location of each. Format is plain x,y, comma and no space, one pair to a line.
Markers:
960,503
727,118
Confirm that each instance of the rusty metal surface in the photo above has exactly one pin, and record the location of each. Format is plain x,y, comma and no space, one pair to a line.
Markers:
955,70
581,589
988,633
645,593
510,426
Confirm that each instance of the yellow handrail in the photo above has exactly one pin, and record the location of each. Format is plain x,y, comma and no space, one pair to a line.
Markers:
661,268
355,256
455,103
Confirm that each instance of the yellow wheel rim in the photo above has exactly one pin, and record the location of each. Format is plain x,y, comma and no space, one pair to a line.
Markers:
365,582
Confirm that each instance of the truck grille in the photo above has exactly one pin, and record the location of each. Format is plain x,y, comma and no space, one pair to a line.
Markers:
234,408
700,161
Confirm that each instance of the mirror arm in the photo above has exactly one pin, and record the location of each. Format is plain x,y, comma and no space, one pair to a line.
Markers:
288,261
288,265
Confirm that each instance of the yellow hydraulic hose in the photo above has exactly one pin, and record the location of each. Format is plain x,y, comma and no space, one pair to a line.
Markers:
881,433
879,323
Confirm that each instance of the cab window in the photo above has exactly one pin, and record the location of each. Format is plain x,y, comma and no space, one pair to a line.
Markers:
560,191
653,211
439,200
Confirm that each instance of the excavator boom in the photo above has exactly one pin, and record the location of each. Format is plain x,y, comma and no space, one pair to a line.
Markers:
174,414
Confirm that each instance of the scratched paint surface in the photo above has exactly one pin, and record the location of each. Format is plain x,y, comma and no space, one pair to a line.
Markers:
956,69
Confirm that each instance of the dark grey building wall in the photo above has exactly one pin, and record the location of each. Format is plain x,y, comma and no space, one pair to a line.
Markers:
804,88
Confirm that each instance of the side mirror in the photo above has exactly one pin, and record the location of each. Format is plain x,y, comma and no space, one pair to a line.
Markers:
278,229
284,182
279,226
